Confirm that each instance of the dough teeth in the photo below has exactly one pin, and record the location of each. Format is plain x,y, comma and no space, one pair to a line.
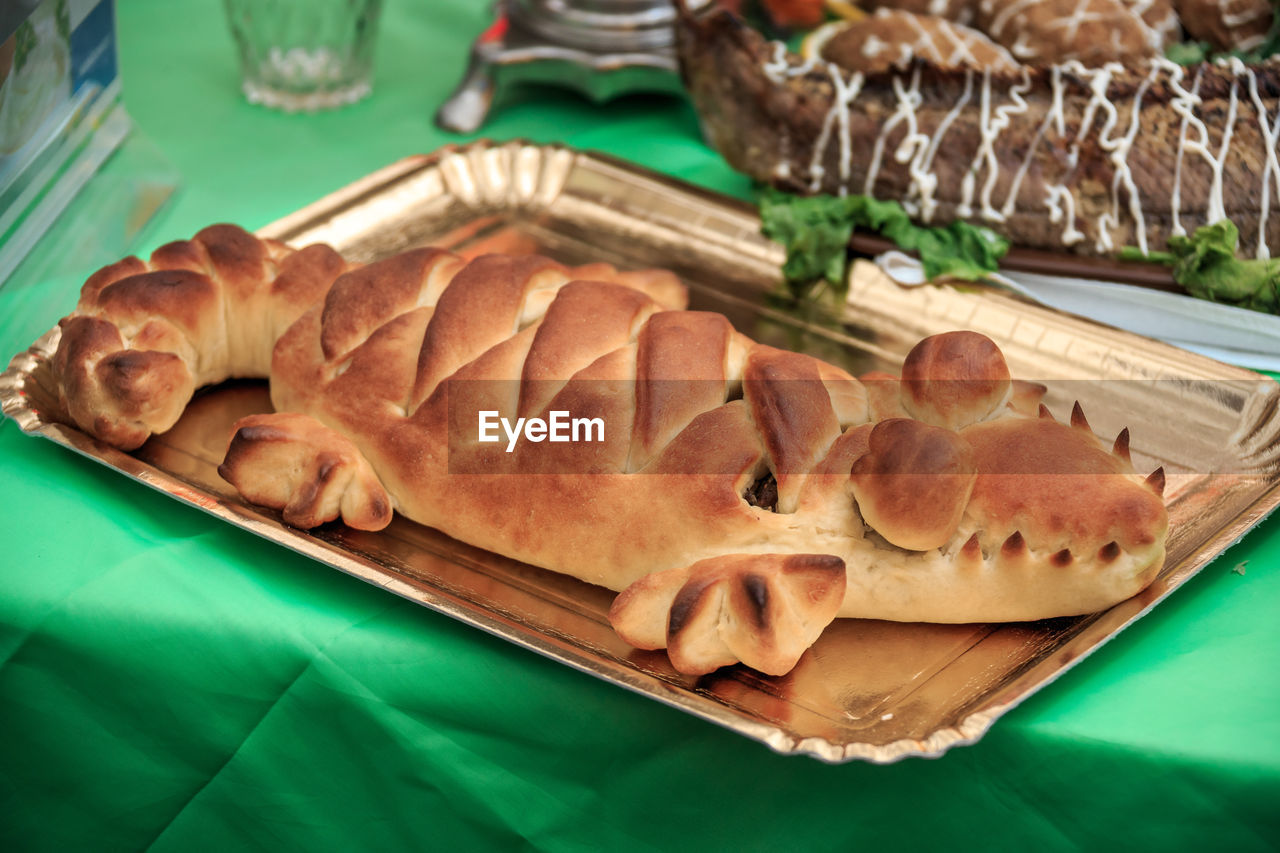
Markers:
1156,481
1014,546
970,554
1121,447
1078,419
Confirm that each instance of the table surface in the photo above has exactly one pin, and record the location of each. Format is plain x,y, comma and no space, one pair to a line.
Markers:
169,682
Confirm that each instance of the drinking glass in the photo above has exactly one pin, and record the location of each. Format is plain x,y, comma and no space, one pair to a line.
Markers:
305,54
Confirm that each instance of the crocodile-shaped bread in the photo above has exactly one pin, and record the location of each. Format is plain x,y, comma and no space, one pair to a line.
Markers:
739,497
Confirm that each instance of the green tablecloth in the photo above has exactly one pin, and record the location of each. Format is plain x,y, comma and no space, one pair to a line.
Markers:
169,682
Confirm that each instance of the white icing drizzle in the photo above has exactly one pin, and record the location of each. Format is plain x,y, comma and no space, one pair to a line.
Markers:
1057,195
965,208
1216,210
992,123
1246,14
846,92
873,46
1030,41
776,69
931,44
1272,170
923,178
1217,205
1098,80
1072,23
1054,114
1181,96
1004,117
908,101
1005,15
1119,155
1102,239
913,148
780,69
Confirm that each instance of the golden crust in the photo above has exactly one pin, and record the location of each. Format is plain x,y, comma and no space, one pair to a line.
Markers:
359,302
955,379
763,610
120,396
913,483
116,356
681,367
791,405
1056,486
292,463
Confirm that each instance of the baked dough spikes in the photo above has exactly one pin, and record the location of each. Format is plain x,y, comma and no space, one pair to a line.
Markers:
1121,446
1078,419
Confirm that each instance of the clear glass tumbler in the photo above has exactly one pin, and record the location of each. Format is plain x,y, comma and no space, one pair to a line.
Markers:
305,54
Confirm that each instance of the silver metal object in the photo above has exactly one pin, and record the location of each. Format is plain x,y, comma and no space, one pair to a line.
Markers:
600,48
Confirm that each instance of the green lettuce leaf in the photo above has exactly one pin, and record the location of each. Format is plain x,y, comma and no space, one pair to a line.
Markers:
1188,52
1206,266
815,231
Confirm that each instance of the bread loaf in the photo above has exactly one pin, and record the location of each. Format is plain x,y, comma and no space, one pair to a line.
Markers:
738,496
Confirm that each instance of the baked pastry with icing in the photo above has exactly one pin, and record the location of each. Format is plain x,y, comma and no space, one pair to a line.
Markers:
1093,32
739,497
891,39
1160,16
1227,24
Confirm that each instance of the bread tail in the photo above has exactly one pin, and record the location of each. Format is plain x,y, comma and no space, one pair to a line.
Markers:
146,334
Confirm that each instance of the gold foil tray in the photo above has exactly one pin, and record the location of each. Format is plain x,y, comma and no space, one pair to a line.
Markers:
867,690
